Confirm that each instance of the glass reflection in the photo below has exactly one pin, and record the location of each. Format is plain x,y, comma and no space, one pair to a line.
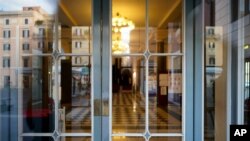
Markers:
25,90
165,29
75,37
128,83
165,94
74,31
75,95
220,36
36,76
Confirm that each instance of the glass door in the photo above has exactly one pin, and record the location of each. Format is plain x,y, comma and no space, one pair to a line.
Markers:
147,70
89,70
75,71
47,70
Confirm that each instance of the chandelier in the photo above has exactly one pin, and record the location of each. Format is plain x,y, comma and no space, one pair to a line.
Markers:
121,27
119,23
119,46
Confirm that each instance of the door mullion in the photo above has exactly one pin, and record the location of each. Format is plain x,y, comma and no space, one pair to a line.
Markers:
106,69
96,89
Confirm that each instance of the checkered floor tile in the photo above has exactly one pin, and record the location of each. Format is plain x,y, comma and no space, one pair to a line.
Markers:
128,115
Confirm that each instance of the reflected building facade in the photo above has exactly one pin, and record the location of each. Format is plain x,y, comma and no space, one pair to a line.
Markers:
23,32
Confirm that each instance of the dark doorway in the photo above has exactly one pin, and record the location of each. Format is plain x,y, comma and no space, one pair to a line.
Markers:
126,79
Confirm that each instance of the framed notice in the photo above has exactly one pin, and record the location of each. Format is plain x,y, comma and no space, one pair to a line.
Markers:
163,90
163,79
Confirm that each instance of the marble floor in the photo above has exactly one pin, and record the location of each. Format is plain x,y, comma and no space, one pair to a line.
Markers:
128,116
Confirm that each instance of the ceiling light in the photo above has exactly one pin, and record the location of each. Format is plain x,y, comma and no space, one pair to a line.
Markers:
119,22
121,27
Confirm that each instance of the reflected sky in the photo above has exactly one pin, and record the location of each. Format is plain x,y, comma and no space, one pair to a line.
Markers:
12,5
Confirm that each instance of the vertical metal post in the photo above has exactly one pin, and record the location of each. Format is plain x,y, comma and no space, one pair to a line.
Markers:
146,69
189,72
96,82
198,71
106,68
55,57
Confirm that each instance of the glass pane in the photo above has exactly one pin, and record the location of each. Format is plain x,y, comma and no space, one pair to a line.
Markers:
38,139
35,80
25,93
75,94
124,138
165,139
9,105
165,29
165,94
75,34
220,35
246,64
247,89
31,30
128,28
75,139
213,73
128,85
75,71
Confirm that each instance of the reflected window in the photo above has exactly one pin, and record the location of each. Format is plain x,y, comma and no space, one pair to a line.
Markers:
7,22
6,62
26,21
26,46
41,31
78,31
25,62
211,45
211,31
78,60
6,47
6,81
212,60
26,33
78,44
26,81
40,45
6,33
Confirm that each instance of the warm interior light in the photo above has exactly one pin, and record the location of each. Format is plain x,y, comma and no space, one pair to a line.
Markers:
121,28
119,46
119,22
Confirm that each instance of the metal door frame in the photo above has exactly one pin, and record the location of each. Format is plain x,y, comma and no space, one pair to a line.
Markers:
106,62
101,99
